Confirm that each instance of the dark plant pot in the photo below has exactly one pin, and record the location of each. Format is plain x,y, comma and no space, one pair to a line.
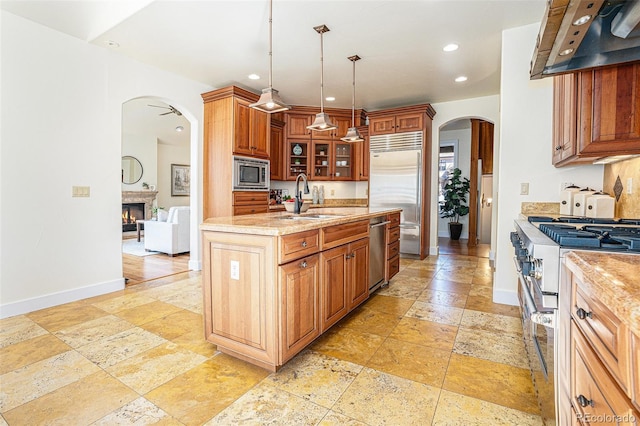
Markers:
455,229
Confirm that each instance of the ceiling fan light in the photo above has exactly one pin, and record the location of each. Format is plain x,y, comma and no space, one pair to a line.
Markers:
353,135
322,123
270,101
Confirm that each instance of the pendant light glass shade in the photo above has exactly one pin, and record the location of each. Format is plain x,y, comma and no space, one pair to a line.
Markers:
322,122
270,101
353,135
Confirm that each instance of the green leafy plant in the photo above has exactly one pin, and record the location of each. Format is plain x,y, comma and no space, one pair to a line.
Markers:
455,197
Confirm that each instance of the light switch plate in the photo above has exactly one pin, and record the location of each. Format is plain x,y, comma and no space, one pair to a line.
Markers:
80,191
235,270
629,185
524,188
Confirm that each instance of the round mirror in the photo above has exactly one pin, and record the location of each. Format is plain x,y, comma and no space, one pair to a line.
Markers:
131,170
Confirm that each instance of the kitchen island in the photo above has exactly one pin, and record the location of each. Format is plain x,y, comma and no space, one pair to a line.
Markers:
274,282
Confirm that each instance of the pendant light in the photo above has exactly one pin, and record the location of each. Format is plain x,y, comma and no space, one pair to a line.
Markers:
270,101
322,122
353,135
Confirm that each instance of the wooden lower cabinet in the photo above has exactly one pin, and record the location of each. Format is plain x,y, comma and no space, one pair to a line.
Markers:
250,202
358,268
595,394
334,285
300,301
393,246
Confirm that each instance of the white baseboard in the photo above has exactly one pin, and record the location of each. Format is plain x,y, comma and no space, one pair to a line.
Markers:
434,250
506,297
54,299
195,265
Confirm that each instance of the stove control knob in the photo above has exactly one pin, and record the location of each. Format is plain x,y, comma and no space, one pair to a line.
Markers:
536,269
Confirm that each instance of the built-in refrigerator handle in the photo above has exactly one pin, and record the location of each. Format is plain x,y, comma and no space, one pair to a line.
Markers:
419,186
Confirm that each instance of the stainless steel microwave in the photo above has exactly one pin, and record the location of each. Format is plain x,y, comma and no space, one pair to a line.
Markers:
250,174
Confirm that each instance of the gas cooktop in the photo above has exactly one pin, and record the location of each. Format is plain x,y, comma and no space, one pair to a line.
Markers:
619,235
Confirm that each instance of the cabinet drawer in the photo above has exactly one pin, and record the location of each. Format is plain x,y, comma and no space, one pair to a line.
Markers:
334,236
393,267
393,234
594,393
250,198
394,219
393,249
297,245
240,210
608,336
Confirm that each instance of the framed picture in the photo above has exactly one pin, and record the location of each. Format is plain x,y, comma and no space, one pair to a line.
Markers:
180,180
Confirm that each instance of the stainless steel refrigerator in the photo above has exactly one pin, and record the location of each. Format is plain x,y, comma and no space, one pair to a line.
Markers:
395,179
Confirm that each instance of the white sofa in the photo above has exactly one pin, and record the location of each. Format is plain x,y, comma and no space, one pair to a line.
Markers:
170,236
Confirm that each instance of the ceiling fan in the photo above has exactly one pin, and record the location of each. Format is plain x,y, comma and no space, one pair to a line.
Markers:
171,109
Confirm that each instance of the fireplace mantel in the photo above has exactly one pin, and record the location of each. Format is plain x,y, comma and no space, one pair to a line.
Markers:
145,197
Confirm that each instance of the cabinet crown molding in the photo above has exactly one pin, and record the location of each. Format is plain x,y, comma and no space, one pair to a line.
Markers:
229,91
422,108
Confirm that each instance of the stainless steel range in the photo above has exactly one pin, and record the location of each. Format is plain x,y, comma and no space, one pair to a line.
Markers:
540,243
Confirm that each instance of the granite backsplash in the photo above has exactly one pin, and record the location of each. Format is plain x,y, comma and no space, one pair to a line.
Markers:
628,205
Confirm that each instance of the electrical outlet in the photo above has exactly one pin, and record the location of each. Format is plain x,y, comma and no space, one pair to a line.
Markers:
333,192
235,270
524,188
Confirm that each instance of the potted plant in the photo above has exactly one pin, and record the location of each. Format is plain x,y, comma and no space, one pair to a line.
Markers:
455,200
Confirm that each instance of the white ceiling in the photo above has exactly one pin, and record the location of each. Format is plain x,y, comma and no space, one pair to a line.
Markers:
221,42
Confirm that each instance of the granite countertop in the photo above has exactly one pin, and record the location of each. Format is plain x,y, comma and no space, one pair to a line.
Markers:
613,279
277,224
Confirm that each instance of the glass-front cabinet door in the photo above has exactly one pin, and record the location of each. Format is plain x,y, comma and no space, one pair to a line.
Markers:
332,161
343,161
297,159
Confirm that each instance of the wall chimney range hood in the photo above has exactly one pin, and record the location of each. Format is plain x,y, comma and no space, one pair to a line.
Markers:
582,34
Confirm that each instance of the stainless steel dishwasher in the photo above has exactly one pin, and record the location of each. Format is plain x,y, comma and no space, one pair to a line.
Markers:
377,252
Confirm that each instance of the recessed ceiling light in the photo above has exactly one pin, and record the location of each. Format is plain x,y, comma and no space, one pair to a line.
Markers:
461,79
179,128
112,43
450,47
254,77
330,99
582,20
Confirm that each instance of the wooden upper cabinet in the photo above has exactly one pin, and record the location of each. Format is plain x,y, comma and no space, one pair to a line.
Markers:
362,155
343,123
596,113
276,150
250,128
610,106
296,125
396,124
565,116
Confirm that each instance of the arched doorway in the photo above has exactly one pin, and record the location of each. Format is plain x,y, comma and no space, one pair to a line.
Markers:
157,133
468,144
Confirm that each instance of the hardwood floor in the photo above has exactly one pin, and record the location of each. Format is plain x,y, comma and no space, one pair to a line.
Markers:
138,269
449,246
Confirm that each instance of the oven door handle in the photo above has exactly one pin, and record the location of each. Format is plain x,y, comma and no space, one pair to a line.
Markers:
515,262
547,319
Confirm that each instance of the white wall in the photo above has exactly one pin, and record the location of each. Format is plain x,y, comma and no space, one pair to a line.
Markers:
61,119
525,151
463,136
486,108
168,155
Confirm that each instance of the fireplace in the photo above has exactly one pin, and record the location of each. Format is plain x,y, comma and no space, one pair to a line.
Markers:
131,212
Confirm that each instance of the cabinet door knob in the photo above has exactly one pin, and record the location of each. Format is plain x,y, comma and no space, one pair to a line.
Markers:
582,314
304,244
303,264
584,402
558,148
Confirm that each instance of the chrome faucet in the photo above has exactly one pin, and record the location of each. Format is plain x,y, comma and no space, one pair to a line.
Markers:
298,203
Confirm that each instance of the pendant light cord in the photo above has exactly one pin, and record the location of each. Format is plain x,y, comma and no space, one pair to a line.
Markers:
321,73
270,42
353,97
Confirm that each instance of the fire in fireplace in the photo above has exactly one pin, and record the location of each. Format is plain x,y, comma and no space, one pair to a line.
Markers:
131,212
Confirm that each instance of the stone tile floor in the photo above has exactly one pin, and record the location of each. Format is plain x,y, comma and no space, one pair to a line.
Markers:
432,348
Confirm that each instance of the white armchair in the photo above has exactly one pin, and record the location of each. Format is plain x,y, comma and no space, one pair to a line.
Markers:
172,236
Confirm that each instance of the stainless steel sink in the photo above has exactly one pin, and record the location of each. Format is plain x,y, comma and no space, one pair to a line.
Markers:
311,217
